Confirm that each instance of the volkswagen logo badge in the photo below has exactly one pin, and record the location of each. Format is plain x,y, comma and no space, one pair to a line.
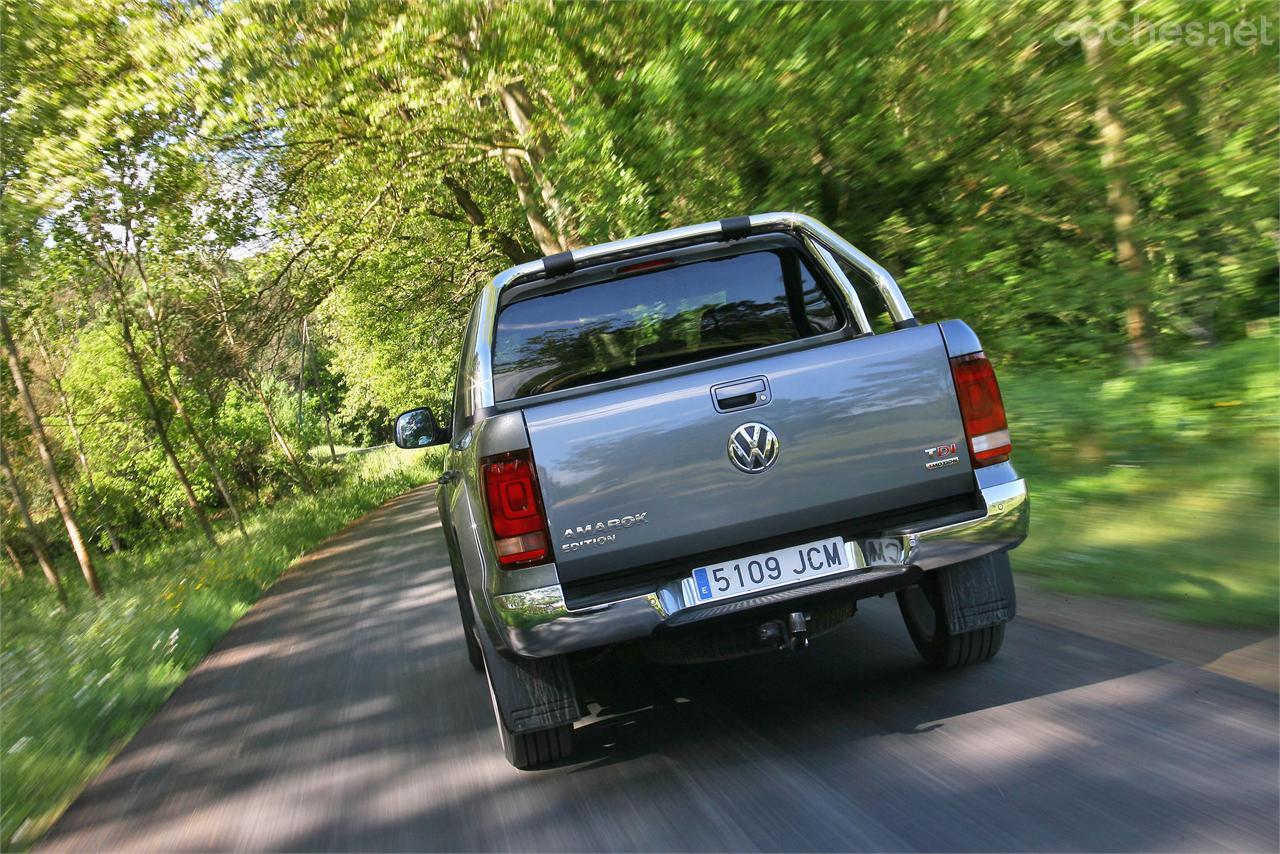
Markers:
753,448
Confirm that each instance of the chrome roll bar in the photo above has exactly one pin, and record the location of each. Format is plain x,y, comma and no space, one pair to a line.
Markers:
820,240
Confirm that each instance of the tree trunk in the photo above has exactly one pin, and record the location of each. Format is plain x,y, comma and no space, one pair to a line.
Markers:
18,566
68,413
830,190
214,469
46,457
157,419
520,109
278,436
519,175
1121,201
328,435
33,533
162,351
302,375
508,244
324,410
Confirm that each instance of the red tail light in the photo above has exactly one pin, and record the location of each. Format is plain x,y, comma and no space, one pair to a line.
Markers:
515,509
647,265
982,409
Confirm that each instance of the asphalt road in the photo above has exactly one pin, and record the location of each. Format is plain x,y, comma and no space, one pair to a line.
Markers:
340,714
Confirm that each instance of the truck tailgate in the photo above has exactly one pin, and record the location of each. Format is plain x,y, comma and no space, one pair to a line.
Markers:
641,475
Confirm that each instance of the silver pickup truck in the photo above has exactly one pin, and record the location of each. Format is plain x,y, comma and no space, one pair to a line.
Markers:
696,445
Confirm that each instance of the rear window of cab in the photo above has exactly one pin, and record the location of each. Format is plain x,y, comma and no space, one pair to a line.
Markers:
657,319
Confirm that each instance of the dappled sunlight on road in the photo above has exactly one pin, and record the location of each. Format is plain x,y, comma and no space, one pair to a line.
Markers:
341,714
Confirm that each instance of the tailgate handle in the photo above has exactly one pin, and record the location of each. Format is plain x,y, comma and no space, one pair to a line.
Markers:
740,394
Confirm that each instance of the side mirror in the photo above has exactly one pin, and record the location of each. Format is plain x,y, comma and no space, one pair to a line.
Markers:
417,428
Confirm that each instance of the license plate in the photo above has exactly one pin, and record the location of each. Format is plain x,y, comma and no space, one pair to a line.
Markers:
771,569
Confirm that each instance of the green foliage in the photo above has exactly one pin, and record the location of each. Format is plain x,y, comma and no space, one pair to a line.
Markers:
188,185
959,144
322,157
135,485
1160,484
77,686
134,475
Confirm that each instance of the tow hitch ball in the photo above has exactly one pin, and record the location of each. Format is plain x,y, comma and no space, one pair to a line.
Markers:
791,633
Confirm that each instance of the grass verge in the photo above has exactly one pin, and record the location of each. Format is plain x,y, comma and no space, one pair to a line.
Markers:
1160,484
78,685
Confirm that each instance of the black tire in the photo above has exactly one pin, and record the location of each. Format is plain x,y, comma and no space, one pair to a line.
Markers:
530,749
526,750
474,655
926,619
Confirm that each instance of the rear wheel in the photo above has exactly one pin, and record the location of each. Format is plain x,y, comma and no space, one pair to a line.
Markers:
926,619
525,750
530,749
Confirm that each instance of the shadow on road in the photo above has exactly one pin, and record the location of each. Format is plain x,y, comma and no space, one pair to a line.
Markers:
341,714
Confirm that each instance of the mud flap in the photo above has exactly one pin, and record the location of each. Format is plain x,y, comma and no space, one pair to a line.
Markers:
977,593
531,693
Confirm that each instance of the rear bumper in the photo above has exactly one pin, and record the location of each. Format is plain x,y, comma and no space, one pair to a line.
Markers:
537,623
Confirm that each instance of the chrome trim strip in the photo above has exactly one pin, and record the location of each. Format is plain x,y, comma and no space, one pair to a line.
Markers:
538,623
481,391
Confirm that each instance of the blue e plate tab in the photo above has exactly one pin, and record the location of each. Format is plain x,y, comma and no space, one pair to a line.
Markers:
704,586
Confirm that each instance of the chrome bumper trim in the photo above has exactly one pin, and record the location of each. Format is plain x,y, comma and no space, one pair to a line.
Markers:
1003,526
538,623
